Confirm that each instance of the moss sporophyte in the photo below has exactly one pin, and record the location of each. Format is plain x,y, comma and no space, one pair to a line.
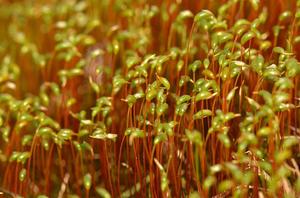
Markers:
124,98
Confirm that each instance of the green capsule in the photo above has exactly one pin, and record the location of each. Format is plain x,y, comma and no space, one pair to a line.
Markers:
87,181
246,37
22,174
202,114
131,99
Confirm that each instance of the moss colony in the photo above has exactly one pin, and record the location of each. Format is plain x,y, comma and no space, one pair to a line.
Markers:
150,98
